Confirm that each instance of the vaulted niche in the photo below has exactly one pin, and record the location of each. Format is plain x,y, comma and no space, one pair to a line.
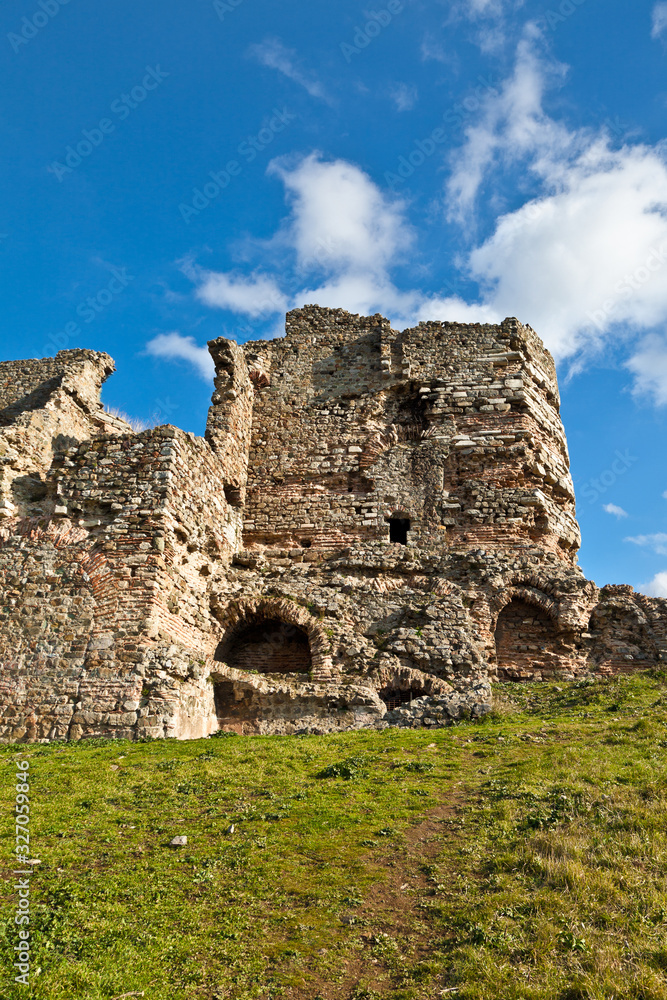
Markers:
394,697
267,646
524,634
398,529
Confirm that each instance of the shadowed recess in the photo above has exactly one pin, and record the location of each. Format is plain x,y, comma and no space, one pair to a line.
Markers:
269,646
524,633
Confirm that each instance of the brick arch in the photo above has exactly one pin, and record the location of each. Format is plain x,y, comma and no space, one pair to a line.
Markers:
398,512
92,566
241,615
526,634
528,593
543,583
97,575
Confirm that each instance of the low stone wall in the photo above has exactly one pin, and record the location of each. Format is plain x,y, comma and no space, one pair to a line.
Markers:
442,710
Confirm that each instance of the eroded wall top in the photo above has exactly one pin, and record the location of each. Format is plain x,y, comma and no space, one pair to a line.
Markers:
28,384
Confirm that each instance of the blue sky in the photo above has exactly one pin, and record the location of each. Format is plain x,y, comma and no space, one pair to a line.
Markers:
176,172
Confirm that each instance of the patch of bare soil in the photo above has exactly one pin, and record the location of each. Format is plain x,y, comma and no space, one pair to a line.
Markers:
394,906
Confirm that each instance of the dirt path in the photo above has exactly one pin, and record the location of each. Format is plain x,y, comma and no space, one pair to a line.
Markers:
393,906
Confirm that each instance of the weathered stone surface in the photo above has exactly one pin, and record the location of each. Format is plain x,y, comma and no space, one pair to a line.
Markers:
377,524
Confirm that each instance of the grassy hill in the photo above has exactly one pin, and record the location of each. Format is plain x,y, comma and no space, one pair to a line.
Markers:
524,856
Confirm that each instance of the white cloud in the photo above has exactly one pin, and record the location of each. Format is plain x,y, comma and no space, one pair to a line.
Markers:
404,96
557,262
174,346
664,495
587,255
340,219
476,10
343,235
659,20
359,293
483,8
512,126
657,542
584,261
256,296
560,264
272,53
431,48
611,508
488,17
649,364
657,587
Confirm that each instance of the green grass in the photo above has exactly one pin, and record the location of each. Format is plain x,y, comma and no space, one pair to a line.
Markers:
524,856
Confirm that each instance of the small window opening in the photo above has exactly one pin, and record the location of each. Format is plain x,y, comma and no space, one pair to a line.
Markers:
398,529
232,495
306,543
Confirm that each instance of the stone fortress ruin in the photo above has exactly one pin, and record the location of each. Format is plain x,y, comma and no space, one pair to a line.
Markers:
375,520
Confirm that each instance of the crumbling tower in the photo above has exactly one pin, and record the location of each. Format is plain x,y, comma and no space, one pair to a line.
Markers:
373,516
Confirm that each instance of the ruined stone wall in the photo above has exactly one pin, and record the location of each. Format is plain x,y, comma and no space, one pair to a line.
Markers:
454,426
154,507
46,405
202,531
106,576
161,584
626,631
229,424
30,384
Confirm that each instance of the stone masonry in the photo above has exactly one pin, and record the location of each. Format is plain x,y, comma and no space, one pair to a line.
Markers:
376,525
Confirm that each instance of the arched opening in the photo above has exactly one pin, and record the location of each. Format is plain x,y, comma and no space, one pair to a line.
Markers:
526,640
267,646
394,696
398,529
